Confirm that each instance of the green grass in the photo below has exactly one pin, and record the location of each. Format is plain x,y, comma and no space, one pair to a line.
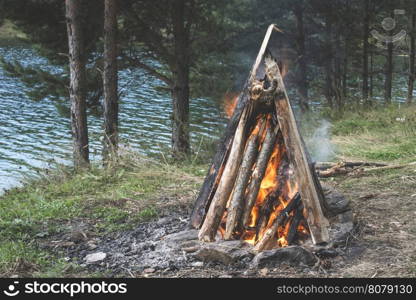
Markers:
383,134
116,198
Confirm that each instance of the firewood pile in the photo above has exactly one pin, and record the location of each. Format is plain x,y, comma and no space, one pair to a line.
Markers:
262,187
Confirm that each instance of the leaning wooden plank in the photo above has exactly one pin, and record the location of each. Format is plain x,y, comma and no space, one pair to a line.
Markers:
236,203
311,197
219,201
209,186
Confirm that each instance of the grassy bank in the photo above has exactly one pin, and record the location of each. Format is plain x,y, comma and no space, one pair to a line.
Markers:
131,191
137,189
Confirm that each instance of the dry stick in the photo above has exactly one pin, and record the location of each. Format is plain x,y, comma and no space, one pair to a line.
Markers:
236,203
271,232
225,186
259,171
347,164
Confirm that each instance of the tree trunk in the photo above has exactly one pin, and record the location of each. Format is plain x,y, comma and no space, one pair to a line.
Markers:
328,63
302,75
180,88
389,71
411,80
366,31
371,76
77,60
345,71
110,80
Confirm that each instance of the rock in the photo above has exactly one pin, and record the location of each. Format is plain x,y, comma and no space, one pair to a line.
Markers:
293,255
226,252
335,202
345,217
95,257
264,271
149,270
327,253
197,264
176,240
225,276
339,232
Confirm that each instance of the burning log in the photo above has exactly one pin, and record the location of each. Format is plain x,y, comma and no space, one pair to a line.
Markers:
272,199
219,201
271,232
259,171
236,203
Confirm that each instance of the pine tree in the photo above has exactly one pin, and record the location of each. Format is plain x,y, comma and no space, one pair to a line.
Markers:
77,60
110,102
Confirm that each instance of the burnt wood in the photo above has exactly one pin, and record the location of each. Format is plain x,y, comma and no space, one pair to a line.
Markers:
281,218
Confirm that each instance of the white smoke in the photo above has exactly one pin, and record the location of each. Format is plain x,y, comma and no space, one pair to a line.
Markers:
319,142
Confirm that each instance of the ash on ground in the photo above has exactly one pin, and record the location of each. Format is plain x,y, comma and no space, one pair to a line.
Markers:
168,248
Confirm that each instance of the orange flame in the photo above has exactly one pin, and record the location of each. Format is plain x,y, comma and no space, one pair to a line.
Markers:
269,185
229,103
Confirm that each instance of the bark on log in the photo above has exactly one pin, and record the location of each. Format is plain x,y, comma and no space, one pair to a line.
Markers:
271,232
211,180
237,199
217,207
259,171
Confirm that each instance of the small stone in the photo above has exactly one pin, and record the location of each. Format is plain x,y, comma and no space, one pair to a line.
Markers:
149,270
225,276
95,257
91,245
264,271
197,264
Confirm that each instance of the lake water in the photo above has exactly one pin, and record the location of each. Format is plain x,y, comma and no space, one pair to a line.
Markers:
33,135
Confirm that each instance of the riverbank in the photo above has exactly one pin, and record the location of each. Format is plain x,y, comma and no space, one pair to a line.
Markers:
101,202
